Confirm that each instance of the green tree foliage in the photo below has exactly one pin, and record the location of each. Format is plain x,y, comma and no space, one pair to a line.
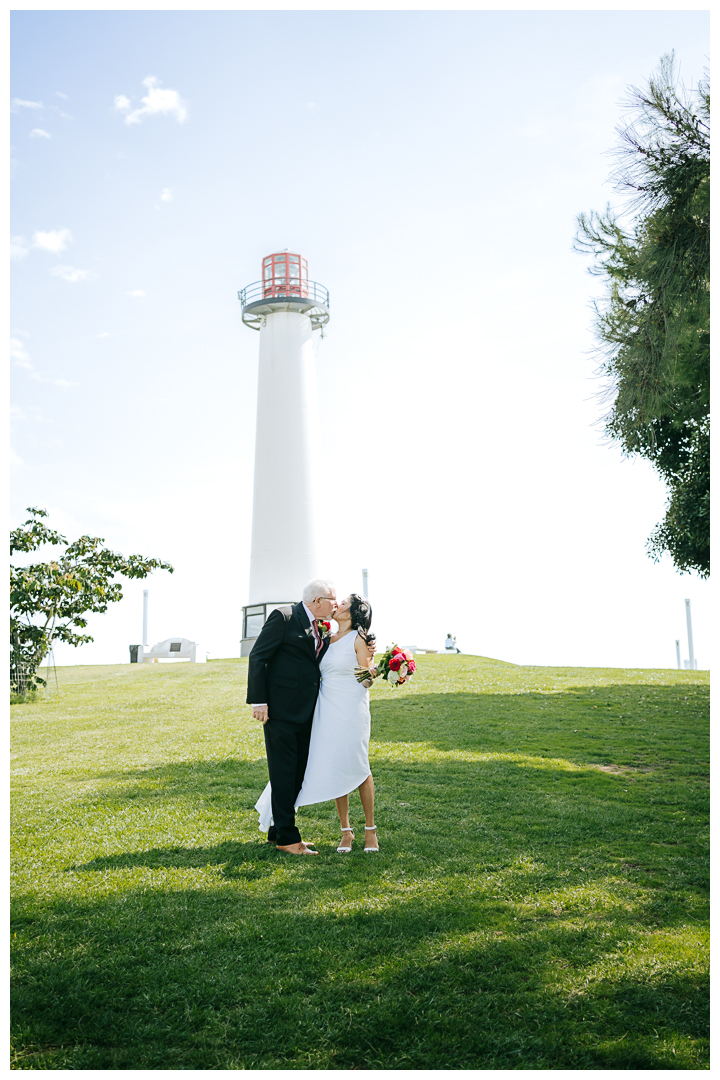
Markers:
654,322
49,601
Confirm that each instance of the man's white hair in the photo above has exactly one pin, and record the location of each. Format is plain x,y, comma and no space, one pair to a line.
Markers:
316,587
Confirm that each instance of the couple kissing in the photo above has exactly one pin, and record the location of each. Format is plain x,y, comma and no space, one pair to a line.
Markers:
315,714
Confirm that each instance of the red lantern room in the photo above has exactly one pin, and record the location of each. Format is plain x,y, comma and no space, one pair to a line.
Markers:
285,274
284,286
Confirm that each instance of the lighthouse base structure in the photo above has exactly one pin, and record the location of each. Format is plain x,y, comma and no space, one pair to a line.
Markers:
254,616
283,554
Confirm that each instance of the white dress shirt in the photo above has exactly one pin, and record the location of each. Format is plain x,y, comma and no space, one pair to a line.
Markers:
311,617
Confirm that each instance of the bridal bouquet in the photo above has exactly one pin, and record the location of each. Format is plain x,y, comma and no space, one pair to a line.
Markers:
396,665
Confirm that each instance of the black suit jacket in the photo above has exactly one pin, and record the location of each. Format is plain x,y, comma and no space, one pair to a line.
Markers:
283,669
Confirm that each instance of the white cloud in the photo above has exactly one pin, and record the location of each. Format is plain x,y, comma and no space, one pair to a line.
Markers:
166,195
157,102
70,273
20,103
16,413
58,93
61,112
40,133
19,354
14,459
18,247
22,360
136,292
55,241
105,333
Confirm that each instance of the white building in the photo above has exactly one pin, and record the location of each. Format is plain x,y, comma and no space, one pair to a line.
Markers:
285,307
177,648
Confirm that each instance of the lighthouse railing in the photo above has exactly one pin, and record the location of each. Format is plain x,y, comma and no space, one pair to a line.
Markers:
274,290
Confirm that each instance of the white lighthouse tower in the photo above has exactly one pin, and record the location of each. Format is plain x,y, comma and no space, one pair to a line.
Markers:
285,306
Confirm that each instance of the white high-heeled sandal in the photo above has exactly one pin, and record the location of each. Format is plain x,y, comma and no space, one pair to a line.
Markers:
371,828
346,848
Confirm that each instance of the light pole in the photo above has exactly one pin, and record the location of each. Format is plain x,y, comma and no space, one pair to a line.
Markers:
285,307
365,583
145,617
677,653
691,651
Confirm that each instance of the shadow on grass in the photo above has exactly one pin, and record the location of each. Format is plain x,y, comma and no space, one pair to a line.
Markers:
203,979
250,860
586,724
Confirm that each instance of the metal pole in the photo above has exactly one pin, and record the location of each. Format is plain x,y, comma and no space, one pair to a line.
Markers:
365,584
691,652
677,652
145,614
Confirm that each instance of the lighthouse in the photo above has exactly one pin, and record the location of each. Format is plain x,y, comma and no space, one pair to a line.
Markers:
285,307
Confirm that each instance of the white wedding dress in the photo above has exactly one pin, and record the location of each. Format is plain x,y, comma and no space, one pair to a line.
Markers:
338,755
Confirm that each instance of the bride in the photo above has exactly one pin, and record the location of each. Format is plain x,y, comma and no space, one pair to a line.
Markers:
338,755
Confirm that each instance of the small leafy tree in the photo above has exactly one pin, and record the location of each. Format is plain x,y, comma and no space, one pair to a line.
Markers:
49,601
654,325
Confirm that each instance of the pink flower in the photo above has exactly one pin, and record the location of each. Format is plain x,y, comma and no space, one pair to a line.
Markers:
411,666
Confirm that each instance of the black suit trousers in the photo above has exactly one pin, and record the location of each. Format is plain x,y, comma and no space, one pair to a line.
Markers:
287,748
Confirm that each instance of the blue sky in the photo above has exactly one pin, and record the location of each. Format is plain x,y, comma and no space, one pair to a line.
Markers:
431,167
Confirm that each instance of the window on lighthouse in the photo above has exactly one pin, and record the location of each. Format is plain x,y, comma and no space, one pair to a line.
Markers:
285,274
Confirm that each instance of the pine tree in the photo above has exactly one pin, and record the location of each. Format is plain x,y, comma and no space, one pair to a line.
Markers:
654,322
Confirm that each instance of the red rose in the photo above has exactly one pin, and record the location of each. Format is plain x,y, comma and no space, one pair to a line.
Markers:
397,649
395,663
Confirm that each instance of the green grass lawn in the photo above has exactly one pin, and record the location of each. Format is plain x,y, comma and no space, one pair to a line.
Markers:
539,901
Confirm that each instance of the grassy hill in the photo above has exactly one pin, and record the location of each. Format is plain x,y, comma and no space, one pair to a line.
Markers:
539,901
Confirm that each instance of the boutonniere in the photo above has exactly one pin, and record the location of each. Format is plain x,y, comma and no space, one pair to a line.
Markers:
324,629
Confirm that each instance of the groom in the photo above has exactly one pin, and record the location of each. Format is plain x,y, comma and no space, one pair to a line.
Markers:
284,676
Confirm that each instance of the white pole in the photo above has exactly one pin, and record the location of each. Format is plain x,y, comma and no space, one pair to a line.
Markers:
677,652
691,652
365,584
145,614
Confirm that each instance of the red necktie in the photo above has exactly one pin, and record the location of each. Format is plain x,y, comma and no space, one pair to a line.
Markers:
318,639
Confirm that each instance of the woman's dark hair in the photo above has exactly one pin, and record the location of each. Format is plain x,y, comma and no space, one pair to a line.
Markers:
360,614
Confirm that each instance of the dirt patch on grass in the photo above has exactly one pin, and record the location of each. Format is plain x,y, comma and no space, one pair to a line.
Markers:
624,770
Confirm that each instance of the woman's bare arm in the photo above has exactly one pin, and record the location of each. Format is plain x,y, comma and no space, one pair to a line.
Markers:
363,653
